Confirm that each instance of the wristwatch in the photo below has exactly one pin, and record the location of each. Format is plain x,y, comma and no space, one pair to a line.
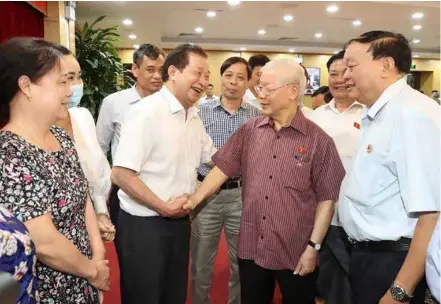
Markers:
399,293
314,245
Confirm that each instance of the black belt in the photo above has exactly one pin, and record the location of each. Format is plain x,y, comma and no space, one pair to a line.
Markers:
402,244
228,185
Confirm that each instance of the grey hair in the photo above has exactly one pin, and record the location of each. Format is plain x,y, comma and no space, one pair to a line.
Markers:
288,71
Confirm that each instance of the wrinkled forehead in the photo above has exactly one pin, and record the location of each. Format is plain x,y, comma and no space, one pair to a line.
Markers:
269,76
358,51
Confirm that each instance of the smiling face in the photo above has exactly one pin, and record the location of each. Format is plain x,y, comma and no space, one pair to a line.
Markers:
190,83
337,83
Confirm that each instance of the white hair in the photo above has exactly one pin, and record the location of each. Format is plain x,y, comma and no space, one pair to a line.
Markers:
288,71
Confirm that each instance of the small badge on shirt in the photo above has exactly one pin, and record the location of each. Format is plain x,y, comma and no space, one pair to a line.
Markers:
369,149
301,150
357,125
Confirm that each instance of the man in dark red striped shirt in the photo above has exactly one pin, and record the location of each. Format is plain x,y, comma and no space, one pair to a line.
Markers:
291,175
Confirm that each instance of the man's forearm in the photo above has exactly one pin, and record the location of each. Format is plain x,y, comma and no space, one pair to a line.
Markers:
212,182
413,267
133,186
323,217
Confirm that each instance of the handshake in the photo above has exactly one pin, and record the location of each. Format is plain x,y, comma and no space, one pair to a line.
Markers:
178,207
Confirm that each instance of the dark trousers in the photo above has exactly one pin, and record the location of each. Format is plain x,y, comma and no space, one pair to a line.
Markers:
257,285
155,253
333,274
372,273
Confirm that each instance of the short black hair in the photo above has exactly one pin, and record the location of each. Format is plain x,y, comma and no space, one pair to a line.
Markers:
328,97
321,90
31,57
339,56
258,61
233,60
151,51
435,91
388,44
210,85
179,58
63,50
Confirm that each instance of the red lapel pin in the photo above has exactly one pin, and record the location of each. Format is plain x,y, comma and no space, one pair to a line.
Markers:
357,125
301,150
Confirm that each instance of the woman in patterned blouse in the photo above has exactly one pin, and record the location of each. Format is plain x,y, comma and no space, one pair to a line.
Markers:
41,181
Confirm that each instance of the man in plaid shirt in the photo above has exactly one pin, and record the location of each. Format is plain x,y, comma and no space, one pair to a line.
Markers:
223,210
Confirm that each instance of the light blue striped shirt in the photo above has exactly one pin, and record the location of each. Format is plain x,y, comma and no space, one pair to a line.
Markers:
395,173
220,124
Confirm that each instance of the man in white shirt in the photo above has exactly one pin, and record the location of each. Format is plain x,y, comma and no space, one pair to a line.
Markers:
341,119
147,68
256,63
209,95
162,145
390,199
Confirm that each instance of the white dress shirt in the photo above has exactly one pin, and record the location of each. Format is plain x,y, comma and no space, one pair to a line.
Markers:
94,163
112,113
395,173
251,99
344,128
433,261
165,148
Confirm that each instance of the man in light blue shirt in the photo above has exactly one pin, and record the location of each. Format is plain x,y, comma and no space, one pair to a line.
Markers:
390,198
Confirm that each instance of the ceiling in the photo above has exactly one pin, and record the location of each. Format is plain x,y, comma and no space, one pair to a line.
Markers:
170,23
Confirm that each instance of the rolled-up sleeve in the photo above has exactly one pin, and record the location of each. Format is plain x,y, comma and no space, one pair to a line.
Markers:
327,171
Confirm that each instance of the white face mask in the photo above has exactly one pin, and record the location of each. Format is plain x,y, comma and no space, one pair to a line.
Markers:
77,94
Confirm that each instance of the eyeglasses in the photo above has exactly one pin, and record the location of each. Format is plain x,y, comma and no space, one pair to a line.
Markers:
264,91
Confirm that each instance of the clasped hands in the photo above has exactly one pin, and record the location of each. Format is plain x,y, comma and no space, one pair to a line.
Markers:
177,207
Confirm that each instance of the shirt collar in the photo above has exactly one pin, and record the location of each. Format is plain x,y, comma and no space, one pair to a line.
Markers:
217,103
388,94
298,123
134,96
174,104
331,106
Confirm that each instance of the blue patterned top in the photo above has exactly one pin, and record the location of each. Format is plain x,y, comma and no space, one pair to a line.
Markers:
17,256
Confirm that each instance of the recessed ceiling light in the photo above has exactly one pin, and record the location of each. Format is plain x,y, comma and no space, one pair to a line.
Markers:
211,14
127,22
416,41
416,56
318,35
233,2
417,15
136,46
356,23
243,48
261,32
132,36
417,27
199,29
288,18
336,52
291,50
332,8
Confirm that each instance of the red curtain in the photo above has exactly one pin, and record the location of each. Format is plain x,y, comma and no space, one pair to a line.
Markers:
20,19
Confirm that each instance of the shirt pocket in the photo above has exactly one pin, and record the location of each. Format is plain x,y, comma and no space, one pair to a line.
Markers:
296,174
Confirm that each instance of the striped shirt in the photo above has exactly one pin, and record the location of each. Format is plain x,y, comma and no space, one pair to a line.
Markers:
220,124
284,176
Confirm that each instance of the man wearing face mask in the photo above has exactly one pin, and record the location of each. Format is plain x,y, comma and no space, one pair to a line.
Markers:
221,118
79,124
162,145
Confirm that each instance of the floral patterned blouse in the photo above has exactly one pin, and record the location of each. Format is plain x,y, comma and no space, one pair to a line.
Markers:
17,256
34,182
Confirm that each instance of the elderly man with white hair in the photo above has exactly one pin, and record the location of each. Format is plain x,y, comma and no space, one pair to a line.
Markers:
291,173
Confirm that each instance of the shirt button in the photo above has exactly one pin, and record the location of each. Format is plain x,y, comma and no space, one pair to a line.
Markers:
278,136
264,217
274,156
266,197
271,177
261,237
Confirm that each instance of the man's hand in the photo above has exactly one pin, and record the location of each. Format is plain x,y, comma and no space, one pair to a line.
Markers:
107,230
174,207
387,299
100,279
307,262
